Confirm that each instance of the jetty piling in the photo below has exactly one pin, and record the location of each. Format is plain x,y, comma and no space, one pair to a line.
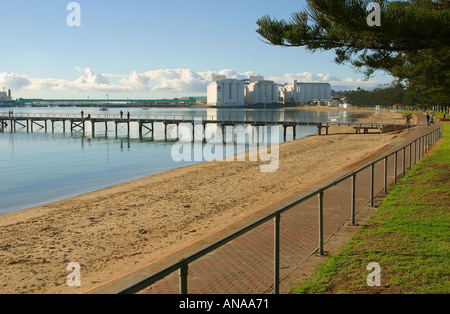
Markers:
78,124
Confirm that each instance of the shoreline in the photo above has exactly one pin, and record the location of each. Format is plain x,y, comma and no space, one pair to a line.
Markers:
75,194
123,227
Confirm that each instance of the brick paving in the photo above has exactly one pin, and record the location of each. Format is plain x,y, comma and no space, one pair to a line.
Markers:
245,265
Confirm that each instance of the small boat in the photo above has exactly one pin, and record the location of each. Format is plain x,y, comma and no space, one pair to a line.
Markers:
103,109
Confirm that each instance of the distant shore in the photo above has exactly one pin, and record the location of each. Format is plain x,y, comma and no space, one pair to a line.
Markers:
169,104
110,231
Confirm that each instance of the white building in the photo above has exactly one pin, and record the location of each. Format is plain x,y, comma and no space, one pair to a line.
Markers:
260,91
226,92
345,105
305,92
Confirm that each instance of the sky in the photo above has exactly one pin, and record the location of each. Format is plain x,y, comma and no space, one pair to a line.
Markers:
148,49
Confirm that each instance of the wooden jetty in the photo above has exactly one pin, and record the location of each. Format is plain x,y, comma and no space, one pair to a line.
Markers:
78,124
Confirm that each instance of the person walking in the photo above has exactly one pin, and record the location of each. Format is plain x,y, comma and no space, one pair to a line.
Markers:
428,118
121,114
408,120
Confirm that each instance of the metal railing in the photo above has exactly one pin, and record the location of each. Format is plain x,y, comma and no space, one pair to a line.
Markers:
421,146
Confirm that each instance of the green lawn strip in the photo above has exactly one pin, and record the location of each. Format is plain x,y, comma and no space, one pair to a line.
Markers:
437,115
408,236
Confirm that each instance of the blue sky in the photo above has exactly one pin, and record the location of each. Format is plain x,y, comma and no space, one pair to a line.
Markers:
151,49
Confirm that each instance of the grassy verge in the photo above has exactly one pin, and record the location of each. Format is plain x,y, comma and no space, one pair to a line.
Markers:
408,237
437,115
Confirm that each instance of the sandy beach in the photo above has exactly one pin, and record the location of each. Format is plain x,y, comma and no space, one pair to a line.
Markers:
110,231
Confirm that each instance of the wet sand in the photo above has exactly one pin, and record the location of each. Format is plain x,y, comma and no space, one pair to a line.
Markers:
110,231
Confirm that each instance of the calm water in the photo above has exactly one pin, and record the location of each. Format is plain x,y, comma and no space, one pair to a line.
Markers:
38,168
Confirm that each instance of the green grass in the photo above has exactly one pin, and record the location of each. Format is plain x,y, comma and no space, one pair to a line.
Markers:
437,115
408,236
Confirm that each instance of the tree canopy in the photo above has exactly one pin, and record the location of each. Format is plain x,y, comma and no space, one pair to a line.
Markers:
383,95
412,42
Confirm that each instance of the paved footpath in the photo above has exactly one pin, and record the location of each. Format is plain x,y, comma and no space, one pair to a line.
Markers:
245,265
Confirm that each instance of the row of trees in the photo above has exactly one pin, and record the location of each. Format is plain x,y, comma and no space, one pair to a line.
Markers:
384,96
387,96
412,42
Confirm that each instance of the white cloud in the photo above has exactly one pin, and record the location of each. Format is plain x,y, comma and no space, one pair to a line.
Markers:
136,82
91,78
351,83
162,80
177,80
304,77
335,82
14,81
229,74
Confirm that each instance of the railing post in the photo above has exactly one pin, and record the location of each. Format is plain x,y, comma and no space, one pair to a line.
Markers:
353,208
404,162
372,184
321,223
395,166
425,147
410,156
277,254
386,174
183,278
422,154
415,151
420,148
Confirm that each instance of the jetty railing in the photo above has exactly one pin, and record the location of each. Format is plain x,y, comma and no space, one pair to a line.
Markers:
188,118
417,150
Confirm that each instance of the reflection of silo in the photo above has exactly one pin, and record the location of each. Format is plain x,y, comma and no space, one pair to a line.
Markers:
211,114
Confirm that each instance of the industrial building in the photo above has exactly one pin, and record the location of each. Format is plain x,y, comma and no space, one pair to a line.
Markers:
305,92
5,97
260,91
224,92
